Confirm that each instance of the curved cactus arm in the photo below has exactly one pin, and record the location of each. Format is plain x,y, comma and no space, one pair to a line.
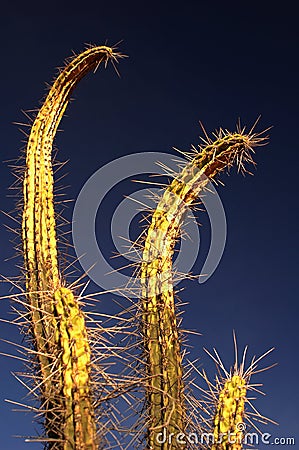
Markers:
39,234
57,324
164,396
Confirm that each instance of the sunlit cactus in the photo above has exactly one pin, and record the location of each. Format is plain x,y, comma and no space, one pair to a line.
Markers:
228,421
61,343
57,325
164,397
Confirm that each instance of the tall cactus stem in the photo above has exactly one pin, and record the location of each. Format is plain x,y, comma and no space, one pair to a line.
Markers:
164,397
57,324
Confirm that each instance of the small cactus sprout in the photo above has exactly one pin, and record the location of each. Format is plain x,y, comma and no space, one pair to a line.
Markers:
57,325
164,398
230,411
228,422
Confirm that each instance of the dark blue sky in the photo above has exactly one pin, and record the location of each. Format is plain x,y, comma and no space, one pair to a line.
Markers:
187,62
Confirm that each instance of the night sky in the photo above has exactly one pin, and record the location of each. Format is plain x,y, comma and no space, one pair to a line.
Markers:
187,62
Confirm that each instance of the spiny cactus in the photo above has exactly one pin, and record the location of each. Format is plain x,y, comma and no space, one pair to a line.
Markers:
228,422
230,412
165,400
57,324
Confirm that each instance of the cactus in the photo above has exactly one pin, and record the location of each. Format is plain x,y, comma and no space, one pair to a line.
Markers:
229,417
164,397
57,325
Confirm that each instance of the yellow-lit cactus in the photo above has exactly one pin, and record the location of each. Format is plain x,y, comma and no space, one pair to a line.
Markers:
57,324
228,422
165,400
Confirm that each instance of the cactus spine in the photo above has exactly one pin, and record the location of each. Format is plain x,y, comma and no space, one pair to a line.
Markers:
57,324
164,397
